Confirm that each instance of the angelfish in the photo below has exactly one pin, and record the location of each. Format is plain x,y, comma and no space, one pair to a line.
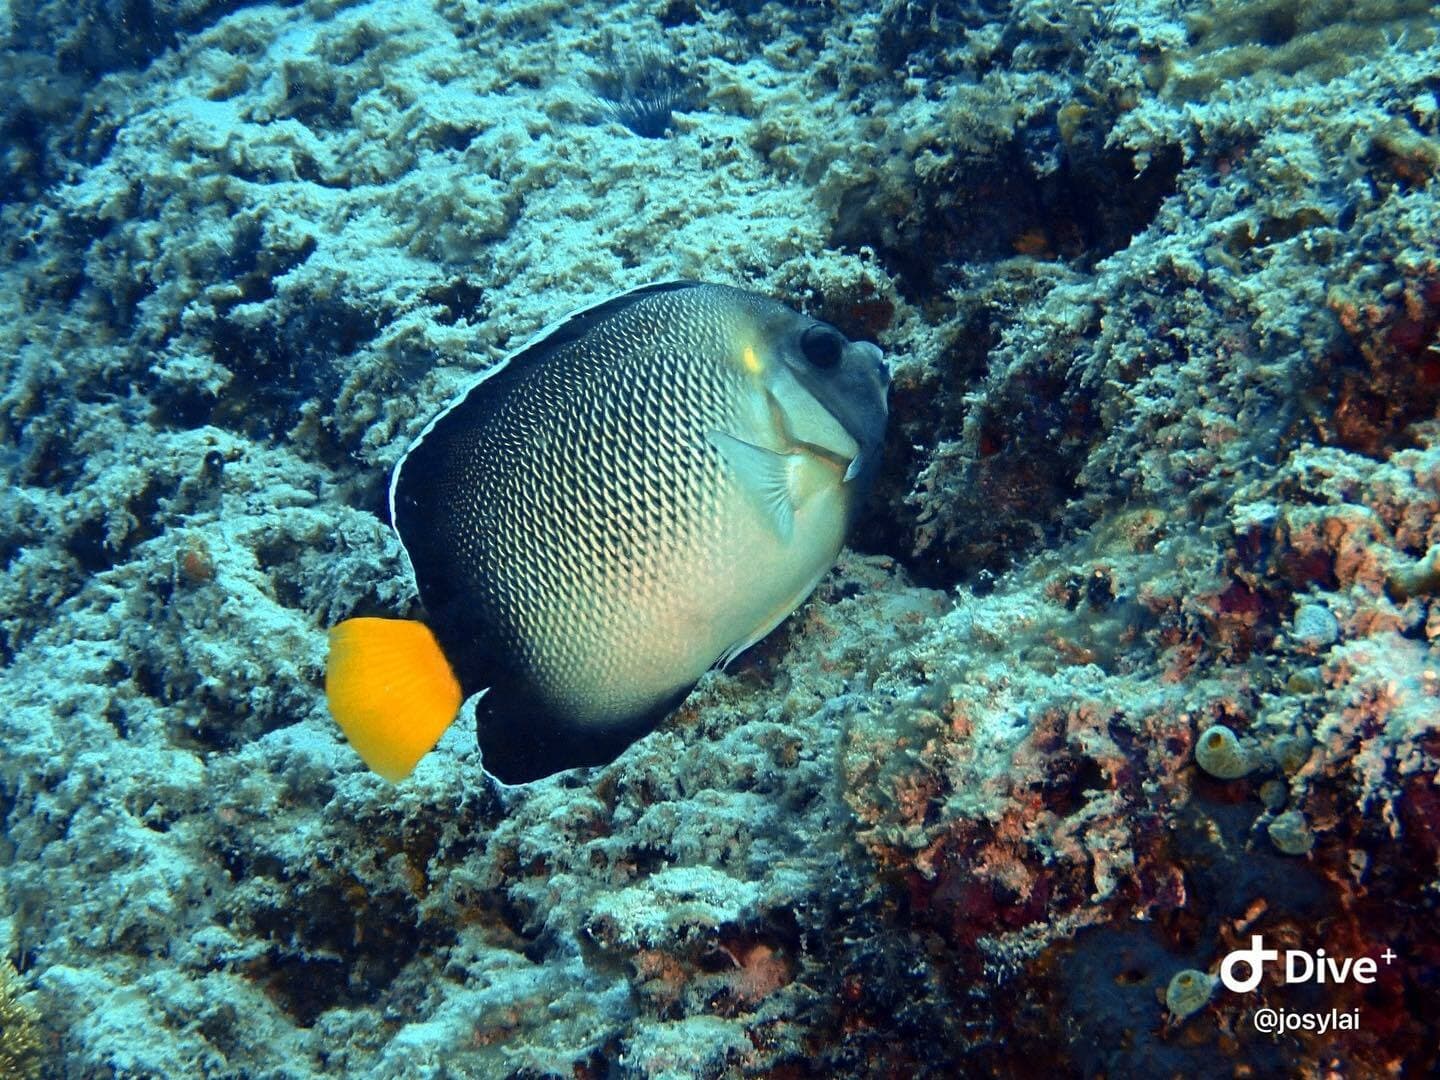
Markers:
644,490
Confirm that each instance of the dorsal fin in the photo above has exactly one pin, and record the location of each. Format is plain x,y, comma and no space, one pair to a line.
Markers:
581,321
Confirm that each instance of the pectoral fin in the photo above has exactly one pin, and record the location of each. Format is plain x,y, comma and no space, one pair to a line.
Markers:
766,476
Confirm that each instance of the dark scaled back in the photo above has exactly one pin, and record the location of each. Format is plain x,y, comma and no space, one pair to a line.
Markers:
519,422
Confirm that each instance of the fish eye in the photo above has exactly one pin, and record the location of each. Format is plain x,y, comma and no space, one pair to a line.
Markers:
822,345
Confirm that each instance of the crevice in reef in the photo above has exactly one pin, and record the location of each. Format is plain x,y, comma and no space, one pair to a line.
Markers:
1041,196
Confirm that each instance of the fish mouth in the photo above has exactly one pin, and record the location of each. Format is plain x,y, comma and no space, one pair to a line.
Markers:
866,423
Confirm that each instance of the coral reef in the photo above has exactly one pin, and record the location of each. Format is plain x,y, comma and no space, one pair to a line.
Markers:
21,1047
1159,287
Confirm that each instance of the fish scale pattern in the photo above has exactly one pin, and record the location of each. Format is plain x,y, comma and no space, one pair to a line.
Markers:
582,493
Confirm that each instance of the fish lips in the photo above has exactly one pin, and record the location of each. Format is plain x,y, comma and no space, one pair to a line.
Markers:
857,395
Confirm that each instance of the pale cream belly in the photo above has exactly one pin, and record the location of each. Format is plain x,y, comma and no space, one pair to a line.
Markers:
705,598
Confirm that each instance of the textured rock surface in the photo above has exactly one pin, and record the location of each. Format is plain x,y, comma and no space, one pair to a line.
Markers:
1161,289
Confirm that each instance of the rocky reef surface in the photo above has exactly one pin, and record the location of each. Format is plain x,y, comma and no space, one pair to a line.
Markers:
1133,658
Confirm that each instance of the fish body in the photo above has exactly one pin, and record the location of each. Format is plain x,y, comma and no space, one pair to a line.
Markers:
645,489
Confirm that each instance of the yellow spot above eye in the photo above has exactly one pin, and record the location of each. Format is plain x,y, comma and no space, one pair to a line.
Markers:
751,361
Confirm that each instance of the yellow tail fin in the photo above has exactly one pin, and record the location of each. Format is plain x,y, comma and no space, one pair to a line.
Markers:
391,690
